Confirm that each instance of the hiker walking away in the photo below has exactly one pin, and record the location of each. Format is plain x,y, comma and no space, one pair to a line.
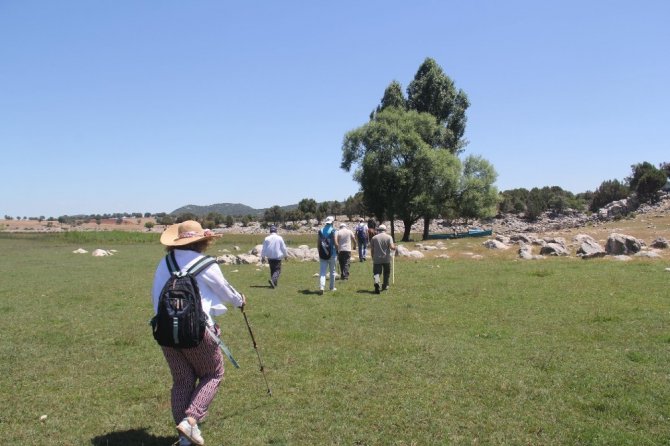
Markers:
372,230
274,249
362,238
346,241
381,249
327,247
197,371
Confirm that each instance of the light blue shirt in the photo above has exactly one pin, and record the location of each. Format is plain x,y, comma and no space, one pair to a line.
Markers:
329,231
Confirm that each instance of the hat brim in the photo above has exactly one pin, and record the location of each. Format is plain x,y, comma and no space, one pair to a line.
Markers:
170,237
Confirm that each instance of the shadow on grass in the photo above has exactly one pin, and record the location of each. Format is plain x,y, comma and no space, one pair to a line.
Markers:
309,292
366,292
133,437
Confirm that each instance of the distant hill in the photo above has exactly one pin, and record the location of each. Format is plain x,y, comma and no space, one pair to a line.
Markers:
234,209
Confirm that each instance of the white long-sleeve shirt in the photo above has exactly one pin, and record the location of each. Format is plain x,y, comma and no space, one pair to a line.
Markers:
274,247
214,288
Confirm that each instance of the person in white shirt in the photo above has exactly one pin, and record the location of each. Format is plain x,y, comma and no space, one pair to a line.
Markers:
274,250
346,241
196,372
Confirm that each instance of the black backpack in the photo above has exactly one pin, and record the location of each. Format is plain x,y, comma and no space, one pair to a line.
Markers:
325,245
180,321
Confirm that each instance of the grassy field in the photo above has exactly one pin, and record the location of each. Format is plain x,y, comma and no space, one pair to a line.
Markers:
459,351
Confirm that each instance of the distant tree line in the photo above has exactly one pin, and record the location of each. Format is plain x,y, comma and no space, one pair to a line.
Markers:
645,181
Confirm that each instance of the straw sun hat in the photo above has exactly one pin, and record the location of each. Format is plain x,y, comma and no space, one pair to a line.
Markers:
185,233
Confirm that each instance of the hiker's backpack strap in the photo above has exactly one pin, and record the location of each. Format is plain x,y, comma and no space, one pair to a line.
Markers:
171,261
202,264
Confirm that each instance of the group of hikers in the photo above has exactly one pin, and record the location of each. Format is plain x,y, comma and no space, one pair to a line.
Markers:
335,247
189,290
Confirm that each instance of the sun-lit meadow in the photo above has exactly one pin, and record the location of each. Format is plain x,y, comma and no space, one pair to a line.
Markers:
459,351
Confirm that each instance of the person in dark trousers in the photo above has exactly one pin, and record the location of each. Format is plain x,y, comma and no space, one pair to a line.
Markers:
347,242
274,250
381,248
196,372
362,238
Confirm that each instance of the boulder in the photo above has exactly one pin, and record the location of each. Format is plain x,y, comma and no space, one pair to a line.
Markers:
303,253
522,238
495,244
526,251
589,248
227,259
660,243
622,244
647,254
247,259
402,251
554,249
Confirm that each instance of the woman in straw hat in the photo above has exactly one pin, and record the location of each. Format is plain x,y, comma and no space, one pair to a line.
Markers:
198,371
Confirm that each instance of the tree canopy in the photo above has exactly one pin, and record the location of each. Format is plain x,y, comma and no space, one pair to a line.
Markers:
406,155
646,180
432,91
401,165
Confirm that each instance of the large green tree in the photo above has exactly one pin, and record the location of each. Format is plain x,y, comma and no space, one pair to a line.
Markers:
307,206
477,196
401,164
432,91
646,180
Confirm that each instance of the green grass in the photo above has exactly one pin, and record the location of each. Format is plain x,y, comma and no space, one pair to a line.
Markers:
554,352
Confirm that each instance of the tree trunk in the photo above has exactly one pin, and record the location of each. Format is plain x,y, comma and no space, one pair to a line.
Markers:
426,227
408,228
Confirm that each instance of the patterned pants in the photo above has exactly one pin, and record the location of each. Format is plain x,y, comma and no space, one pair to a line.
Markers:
275,270
196,375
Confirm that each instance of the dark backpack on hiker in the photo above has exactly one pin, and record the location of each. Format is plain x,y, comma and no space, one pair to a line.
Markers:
325,245
361,233
180,321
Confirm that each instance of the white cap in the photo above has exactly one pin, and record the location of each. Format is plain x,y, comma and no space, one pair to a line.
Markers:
343,225
330,219
382,228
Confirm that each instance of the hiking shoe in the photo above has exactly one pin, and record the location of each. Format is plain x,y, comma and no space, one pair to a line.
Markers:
321,292
333,289
385,287
376,288
183,441
272,284
192,433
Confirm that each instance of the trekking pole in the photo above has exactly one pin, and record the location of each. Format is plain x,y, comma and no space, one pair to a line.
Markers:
393,268
253,340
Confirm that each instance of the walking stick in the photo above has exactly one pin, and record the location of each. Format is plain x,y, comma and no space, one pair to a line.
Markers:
260,362
393,268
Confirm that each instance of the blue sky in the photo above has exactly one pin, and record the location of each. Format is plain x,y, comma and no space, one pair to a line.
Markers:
146,106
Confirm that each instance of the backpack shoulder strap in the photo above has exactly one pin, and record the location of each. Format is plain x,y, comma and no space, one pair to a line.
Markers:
171,261
202,264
